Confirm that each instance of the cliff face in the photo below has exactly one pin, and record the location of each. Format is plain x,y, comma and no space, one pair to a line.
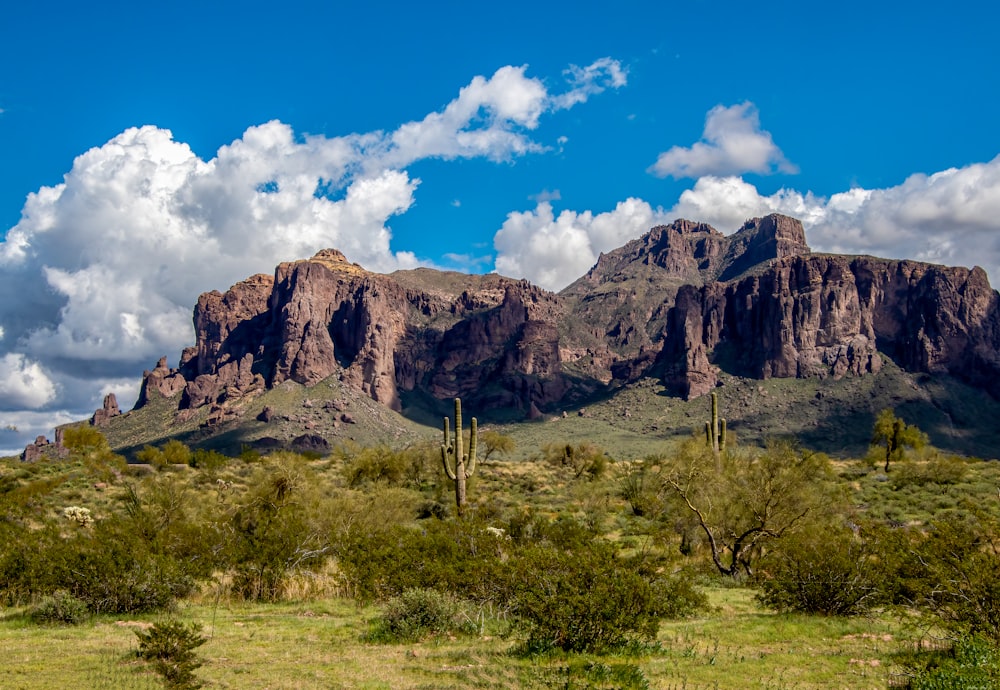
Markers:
682,302
496,341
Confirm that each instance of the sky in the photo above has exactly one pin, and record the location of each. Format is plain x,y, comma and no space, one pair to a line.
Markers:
150,152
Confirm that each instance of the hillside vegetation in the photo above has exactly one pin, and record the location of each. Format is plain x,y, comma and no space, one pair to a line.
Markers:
580,561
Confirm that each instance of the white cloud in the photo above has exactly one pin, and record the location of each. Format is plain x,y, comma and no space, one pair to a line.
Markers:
553,252
732,143
117,253
23,383
951,217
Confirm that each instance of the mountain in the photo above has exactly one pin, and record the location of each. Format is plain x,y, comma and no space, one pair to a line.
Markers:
684,306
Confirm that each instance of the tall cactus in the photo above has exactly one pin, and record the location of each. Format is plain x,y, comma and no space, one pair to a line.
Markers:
464,465
715,430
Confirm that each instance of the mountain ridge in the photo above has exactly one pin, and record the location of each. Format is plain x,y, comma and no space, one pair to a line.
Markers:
683,304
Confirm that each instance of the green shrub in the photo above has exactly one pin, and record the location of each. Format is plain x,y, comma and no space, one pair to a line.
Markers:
170,646
973,663
108,566
582,601
583,459
825,569
420,613
60,607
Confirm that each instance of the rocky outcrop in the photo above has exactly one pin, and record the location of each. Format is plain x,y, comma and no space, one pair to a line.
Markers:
818,316
683,302
110,409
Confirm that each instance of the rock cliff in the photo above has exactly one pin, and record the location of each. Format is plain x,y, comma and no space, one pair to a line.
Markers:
682,302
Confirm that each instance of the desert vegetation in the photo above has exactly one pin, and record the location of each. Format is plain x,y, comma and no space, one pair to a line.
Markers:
708,563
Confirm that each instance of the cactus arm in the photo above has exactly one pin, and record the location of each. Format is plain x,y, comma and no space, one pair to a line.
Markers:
470,466
446,450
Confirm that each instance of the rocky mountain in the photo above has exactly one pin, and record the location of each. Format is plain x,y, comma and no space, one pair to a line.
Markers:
684,304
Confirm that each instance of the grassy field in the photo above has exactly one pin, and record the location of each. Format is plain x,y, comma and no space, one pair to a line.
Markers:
319,644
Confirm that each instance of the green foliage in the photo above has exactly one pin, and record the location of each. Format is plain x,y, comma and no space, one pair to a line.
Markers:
412,466
582,459
275,529
583,600
972,663
171,453
940,468
957,582
108,566
641,485
169,645
208,460
463,558
494,443
420,613
743,500
59,607
825,569
896,435
84,439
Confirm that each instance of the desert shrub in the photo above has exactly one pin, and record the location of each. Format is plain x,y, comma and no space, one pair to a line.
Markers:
413,466
582,459
972,663
462,558
584,600
60,607
108,566
420,613
641,485
938,469
956,583
169,645
823,569
208,460
275,529
171,453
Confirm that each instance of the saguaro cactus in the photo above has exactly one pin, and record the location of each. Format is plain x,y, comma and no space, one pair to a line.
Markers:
715,430
461,466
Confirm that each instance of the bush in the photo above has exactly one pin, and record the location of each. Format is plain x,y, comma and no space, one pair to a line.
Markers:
826,570
170,646
582,601
413,466
973,663
581,459
61,607
419,613
107,566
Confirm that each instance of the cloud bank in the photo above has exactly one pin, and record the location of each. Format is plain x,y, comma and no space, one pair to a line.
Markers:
102,270
951,217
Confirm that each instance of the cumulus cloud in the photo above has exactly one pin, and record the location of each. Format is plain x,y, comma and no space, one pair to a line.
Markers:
553,251
23,383
951,217
732,143
116,254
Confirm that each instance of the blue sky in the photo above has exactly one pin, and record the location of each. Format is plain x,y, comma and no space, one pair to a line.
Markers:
149,152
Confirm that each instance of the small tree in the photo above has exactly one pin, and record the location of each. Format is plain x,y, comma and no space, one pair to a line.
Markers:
494,443
895,434
747,499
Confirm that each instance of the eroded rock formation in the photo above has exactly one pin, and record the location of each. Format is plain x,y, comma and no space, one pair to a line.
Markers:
683,302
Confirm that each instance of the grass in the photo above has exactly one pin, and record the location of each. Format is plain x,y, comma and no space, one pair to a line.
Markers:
318,644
